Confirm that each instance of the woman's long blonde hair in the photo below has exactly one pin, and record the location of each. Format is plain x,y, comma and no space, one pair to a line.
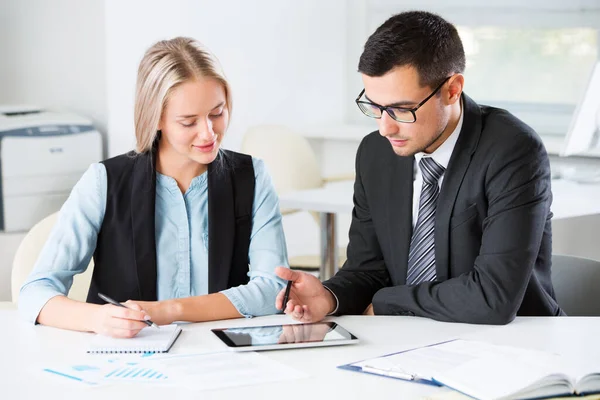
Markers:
166,65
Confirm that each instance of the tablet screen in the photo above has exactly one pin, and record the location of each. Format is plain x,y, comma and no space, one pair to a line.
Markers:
318,332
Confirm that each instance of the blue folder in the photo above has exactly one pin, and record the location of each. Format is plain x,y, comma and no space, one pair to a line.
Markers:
391,374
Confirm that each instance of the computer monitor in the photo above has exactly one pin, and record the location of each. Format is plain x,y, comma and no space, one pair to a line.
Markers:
584,129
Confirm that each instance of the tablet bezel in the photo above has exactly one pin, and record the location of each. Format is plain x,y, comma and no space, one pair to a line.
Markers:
220,333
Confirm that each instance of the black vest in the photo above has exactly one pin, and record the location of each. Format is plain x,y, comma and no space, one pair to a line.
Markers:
125,255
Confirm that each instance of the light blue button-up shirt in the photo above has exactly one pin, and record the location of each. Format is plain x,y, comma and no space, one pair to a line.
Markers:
181,243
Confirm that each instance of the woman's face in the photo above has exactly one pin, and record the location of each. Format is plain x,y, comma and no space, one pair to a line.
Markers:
194,121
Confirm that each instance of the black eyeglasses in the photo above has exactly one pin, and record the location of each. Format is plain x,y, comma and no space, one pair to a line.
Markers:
399,114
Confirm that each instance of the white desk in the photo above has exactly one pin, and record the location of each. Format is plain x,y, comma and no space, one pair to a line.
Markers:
26,347
355,132
570,200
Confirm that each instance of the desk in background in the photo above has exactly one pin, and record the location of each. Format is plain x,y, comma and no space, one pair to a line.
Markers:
9,242
26,348
571,200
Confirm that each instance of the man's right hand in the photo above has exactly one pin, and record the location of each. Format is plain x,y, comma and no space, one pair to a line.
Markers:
309,300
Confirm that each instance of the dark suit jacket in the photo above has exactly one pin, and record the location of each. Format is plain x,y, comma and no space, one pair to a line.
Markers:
493,238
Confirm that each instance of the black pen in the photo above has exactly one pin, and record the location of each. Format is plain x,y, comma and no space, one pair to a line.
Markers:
286,296
116,303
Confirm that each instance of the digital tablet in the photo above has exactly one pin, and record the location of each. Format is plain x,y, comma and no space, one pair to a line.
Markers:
287,336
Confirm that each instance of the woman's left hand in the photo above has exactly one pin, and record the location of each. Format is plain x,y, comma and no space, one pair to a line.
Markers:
160,312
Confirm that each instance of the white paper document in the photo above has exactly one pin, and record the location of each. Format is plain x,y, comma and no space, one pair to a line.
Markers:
203,371
221,370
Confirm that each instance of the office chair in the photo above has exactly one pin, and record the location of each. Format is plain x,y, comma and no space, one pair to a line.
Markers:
27,255
576,281
293,166
577,235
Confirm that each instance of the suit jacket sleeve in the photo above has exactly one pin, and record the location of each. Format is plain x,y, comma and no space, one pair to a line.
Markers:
365,272
518,196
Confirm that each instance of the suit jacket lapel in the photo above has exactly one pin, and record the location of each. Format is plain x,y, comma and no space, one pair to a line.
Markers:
221,225
399,210
143,198
453,177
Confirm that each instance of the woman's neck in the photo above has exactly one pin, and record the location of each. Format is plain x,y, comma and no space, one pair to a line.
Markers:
178,167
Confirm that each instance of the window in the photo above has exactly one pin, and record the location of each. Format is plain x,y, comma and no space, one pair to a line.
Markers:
537,73
545,66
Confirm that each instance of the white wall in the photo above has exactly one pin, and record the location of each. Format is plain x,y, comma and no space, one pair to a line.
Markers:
278,55
53,56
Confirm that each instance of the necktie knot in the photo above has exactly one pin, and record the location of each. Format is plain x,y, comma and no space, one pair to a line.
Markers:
432,171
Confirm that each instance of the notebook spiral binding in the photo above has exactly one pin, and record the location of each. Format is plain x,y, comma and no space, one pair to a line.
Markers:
113,351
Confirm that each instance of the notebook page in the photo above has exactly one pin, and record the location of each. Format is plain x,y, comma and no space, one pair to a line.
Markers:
500,371
499,377
586,373
148,340
429,361
589,384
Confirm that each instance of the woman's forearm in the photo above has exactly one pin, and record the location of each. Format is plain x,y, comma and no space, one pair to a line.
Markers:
210,307
62,312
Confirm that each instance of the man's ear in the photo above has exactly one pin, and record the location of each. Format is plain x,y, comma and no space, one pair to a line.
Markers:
455,88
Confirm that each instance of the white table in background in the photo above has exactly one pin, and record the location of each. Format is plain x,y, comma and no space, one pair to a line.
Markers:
570,200
26,347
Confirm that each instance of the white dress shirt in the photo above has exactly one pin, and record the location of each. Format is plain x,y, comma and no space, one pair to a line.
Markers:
442,156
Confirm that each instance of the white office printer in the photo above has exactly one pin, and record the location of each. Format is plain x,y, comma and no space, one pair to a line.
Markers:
42,155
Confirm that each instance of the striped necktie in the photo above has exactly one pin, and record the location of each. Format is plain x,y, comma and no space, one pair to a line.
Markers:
421,256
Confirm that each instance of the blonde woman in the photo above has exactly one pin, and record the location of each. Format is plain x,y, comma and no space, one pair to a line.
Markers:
179,229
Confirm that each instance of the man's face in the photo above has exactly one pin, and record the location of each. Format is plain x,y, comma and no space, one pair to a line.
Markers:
400,88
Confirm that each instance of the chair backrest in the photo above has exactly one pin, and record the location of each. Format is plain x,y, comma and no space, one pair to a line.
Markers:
291,161
28,252
576,283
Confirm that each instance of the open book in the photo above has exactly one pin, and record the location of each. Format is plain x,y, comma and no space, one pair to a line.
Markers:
149,340
486,371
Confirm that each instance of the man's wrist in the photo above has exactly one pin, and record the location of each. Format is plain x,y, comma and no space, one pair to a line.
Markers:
332,301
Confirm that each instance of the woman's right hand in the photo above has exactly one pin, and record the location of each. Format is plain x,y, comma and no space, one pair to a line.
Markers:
119,322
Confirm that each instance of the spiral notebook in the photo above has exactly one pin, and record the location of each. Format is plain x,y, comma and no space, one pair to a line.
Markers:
149,340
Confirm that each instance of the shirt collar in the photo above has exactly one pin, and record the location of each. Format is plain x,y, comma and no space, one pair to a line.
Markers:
442,154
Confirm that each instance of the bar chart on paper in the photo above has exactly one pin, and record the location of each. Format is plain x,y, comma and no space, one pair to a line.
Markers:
136,373
96,370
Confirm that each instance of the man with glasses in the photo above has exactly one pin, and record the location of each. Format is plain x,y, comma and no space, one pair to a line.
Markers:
451,216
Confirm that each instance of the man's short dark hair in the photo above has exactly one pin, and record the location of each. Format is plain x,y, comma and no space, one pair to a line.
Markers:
420,39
